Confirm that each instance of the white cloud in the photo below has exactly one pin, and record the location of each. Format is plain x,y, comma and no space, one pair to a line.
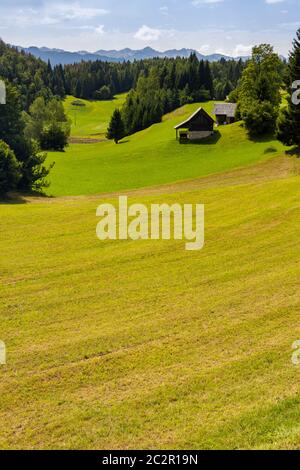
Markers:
205,48
51,14
148,34
241,49
76,11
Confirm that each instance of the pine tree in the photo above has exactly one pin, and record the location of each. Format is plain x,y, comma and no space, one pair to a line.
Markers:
10,172
288,125
116,128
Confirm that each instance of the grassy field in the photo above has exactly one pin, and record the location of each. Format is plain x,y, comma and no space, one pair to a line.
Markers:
149,157
144,345
122,344
91,120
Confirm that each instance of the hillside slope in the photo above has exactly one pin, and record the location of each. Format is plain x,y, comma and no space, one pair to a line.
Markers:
152,157
143,345
91,118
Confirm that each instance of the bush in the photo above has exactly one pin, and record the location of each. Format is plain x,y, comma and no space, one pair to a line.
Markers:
54,137
202,95
260,118
46,122
10,172
103,94
78,103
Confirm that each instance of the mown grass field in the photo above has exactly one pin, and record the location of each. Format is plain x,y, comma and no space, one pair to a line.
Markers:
124,345
91,120
144,345
152,157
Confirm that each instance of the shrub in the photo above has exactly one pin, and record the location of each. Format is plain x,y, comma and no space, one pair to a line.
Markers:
54,137
10,172
260,118
103,94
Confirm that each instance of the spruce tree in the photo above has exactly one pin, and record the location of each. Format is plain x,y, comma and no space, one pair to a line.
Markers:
10,171
116,128
288,125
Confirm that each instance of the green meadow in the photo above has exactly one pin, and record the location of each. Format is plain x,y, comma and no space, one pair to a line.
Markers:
91,118
141,344
150,157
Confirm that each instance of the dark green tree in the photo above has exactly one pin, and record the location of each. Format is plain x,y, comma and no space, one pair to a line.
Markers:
48,124
259,91
103,94
116,129
34,172
10,171
54,137
288,125
12,126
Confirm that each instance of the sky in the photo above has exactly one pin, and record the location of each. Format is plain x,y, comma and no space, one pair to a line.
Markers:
226,26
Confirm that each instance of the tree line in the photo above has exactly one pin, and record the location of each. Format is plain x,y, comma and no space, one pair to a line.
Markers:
31,121
31,76
265,94
34,120
166,84
97,80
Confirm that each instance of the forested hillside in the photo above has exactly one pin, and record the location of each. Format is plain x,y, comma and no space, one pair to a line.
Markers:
85,80
158,85
31,76
29,82
172,83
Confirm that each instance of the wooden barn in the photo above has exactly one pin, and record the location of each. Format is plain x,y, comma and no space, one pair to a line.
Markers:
198,126
225,113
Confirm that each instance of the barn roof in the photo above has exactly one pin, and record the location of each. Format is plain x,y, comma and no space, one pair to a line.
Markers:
225,109
195,114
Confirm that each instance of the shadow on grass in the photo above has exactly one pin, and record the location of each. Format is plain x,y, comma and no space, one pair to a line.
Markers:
294,152
213,139
270,150
21,198
262,138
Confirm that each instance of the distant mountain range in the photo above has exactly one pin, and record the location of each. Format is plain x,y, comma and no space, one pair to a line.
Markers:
59,56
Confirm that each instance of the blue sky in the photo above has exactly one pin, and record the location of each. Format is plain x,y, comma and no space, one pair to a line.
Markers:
226,26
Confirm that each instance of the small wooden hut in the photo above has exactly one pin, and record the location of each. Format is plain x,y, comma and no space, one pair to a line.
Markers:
225,113
198,126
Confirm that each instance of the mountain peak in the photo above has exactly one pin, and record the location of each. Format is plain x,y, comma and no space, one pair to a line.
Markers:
60,56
